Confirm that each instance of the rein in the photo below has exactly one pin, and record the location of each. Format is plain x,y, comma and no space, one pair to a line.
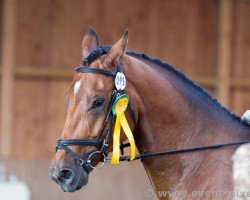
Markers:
185,150
87,162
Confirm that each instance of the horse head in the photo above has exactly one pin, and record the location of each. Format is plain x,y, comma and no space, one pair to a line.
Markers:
85,138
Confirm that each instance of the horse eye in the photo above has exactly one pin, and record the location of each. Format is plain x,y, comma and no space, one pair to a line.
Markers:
98,102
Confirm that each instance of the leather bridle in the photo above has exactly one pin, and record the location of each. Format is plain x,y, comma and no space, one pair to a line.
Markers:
101,146
86,162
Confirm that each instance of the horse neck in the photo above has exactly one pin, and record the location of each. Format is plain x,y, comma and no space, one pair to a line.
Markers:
174,114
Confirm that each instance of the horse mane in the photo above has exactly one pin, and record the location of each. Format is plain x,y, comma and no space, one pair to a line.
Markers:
104,50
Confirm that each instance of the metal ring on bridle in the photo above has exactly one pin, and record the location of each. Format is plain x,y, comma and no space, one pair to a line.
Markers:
105,159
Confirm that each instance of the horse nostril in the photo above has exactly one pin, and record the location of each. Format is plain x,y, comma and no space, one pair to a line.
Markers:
65,175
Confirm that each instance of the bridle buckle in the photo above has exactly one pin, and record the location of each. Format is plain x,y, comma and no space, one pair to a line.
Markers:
80,161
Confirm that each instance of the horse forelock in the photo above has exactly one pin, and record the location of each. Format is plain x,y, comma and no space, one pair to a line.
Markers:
102,50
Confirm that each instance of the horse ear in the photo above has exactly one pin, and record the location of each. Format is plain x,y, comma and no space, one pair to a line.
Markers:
90,42
117,51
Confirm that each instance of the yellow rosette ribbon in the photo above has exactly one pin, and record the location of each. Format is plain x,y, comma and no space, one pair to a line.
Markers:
119,107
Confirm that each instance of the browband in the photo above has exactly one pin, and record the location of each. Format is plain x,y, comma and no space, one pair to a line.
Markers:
96,71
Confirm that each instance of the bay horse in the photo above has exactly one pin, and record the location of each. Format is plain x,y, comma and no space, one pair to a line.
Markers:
168,112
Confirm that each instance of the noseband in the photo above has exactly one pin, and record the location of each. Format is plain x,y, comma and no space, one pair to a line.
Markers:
86,162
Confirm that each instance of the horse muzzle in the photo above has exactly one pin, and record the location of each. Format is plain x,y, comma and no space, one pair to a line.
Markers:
69,179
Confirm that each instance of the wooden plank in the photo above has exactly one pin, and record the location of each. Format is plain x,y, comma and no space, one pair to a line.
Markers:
7,81
44,72
55,73
224,50
240,83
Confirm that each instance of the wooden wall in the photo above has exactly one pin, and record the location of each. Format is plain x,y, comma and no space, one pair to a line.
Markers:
208,40
47,48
